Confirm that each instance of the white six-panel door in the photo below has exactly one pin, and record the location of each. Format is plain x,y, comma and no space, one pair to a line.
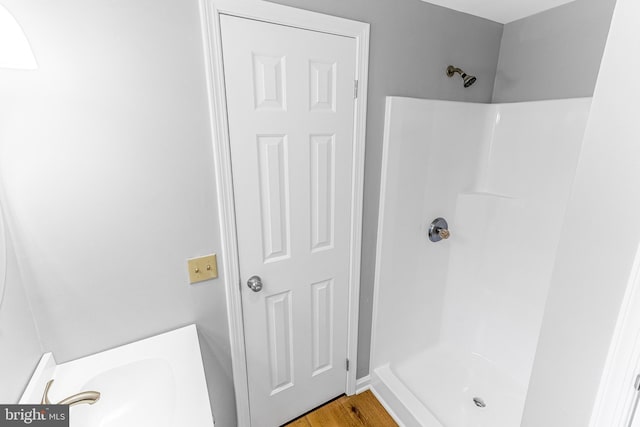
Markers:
290,101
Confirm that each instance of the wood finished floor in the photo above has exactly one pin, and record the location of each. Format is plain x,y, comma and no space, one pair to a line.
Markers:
361,410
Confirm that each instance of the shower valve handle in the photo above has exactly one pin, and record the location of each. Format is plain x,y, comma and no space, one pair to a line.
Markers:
438,230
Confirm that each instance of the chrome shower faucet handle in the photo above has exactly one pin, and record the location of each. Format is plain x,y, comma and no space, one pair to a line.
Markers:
439,230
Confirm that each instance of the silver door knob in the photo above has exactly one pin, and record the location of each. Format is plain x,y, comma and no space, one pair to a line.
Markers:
255,283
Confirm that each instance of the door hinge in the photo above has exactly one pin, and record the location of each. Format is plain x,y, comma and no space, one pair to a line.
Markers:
347,364
355,89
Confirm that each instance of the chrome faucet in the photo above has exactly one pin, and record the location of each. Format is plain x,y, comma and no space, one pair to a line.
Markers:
89,397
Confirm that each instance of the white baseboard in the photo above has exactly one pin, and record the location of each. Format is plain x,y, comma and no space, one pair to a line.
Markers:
363,384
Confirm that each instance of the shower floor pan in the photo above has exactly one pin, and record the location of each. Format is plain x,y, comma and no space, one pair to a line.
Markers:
439,388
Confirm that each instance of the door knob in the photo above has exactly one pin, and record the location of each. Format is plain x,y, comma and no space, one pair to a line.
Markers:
255,283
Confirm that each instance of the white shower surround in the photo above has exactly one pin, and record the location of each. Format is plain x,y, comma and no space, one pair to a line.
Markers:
460,319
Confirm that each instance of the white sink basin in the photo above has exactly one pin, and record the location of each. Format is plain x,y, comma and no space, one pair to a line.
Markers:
156,382
130,396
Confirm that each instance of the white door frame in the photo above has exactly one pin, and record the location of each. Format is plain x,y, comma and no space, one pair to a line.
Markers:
615,396
210,11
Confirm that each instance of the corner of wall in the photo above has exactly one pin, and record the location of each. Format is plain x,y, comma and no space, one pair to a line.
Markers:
496,80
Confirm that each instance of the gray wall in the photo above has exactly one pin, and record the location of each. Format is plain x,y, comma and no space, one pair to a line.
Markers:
107,165
19,343
412,43
554,54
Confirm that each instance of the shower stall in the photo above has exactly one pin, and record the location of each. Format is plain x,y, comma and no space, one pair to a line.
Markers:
456,321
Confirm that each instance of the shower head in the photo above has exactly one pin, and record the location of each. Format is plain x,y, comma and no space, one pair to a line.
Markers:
467,79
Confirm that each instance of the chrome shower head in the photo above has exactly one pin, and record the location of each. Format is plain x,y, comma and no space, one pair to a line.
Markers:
467,79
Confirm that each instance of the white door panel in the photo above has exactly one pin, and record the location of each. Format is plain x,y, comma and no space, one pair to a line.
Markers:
290,100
